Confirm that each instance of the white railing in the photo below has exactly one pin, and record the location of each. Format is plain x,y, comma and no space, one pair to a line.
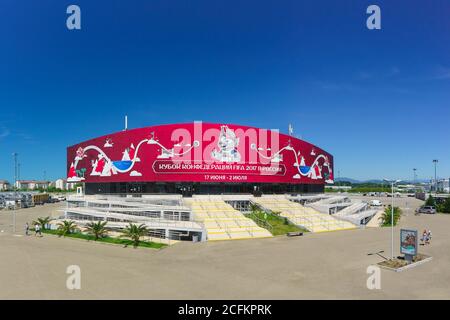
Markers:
91,214
354,208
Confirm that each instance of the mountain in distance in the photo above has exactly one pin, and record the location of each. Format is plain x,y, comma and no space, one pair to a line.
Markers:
376,181
344,179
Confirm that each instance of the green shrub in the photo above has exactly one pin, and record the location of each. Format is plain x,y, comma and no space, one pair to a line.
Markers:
67,227
445,207
134,232
387,216
430,201
97,229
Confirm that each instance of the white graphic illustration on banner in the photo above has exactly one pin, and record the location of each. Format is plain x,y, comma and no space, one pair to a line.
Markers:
108,143
227,146
103,166
313,171
226,151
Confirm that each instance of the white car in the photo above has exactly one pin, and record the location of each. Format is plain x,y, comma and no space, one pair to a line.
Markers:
376,203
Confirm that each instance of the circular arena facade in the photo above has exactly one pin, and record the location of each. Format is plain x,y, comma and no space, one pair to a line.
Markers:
199,158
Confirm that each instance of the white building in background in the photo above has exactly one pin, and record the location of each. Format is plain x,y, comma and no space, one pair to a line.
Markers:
4,185
32,184
443,185
62,184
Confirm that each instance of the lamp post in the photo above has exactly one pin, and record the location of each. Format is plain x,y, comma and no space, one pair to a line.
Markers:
15,191
415,180
435,161
45,185
339,177
392,182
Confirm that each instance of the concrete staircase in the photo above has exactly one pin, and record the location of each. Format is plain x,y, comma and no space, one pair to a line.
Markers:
353,209
300,215
222,221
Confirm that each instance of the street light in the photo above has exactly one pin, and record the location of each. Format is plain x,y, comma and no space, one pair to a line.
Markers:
415,180
15,190
339,177
435,161
392,182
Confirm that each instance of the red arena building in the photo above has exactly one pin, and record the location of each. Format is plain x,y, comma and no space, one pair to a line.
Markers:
199,158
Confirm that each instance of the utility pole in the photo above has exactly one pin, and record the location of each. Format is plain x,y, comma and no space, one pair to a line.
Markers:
45,181
15,155
392,183
392,222
415,179
435,161
339,177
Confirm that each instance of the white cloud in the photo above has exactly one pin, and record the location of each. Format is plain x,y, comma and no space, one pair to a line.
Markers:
135,174
4,132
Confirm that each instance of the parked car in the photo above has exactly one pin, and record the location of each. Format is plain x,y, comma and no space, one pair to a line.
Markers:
376,203
426,210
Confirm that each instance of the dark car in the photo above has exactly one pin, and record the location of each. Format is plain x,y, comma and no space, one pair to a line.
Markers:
426,210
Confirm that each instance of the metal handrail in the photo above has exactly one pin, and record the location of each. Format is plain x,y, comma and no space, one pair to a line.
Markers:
259,222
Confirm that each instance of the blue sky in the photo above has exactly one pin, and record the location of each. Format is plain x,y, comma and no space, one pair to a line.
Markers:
379,101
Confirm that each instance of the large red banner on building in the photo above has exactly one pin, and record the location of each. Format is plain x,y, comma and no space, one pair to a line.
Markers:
199,152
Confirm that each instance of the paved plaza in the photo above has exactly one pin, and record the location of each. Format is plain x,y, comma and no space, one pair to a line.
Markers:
317,266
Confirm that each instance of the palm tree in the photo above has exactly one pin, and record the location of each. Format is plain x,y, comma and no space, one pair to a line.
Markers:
97,229
386,217
67,227
42,222
134,232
